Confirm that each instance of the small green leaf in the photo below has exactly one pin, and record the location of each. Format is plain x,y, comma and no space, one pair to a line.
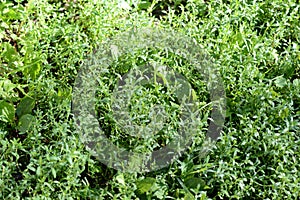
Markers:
296,83
7,112
120,179
33,69
39,171
280,81
25,106
70,160
9,53
7,90
160,194
53,172
7,85
144,5
145,185
25,122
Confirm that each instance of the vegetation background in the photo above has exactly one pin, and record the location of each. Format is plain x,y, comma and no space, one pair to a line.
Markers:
255,45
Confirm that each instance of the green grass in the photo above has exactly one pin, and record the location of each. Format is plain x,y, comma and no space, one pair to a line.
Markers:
254,46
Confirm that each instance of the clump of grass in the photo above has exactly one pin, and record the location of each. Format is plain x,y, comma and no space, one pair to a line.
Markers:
255,47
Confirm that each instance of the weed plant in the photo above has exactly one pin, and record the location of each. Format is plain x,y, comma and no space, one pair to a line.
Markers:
255,47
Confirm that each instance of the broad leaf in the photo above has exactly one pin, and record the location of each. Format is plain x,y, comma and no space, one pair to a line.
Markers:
145,185
25,122
25,106
280,82
7,112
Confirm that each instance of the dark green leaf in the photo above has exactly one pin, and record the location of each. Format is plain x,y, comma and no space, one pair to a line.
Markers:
25,122
25,106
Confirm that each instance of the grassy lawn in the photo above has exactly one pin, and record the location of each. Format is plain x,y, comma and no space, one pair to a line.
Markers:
253,46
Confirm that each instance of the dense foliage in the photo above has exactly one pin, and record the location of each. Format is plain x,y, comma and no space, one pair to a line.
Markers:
255,46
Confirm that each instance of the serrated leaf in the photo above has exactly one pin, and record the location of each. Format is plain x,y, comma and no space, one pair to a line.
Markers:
7,112
25,106
25,122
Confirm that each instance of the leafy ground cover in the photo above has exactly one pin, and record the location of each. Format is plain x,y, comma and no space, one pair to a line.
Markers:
255,47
